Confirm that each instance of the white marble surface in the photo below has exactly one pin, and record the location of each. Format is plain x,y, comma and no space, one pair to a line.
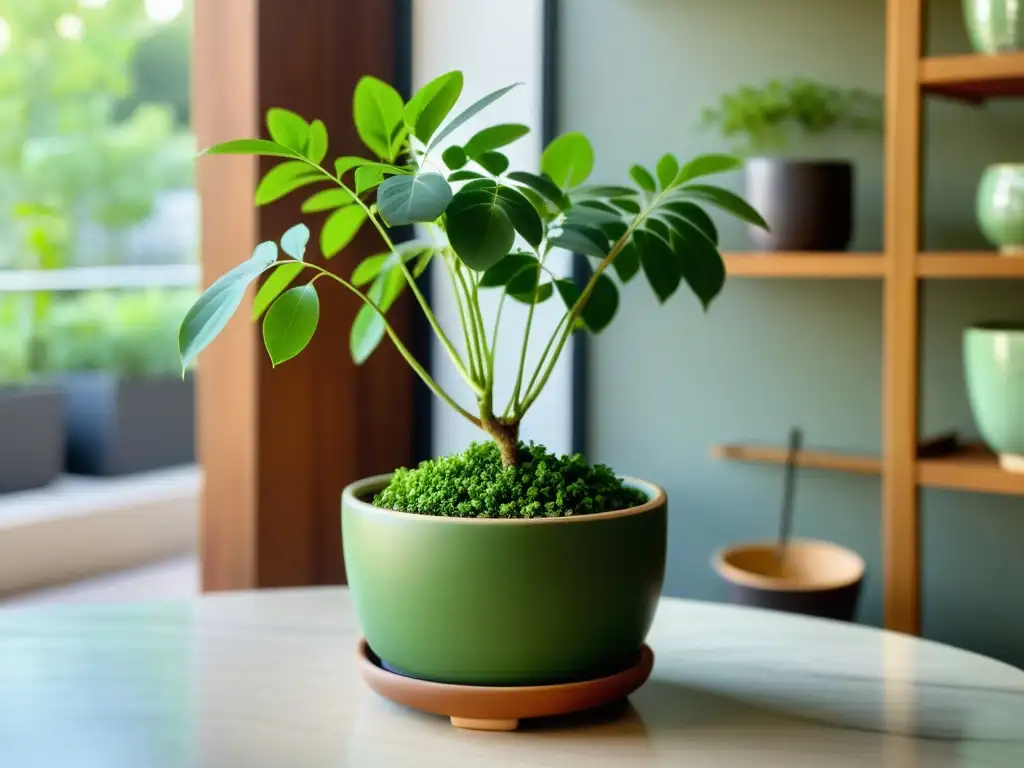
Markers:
267,679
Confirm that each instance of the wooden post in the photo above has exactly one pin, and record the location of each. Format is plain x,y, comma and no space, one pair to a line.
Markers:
900,514
277,446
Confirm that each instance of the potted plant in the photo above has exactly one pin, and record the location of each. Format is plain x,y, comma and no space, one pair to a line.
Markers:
504,565
807,202
32,437
126,409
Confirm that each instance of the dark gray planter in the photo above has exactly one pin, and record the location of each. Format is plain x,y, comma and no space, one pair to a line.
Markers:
807,204
31,437
118,425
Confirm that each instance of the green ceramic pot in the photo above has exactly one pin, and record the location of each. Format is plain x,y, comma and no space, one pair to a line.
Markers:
995,26
994,365
504,602
1000,207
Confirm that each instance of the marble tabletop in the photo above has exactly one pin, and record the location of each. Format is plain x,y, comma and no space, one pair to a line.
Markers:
258,679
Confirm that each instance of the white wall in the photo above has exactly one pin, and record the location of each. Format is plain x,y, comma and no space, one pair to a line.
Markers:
494,43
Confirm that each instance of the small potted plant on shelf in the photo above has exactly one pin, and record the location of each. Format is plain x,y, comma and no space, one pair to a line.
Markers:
808,203
505,565
31,428
126,409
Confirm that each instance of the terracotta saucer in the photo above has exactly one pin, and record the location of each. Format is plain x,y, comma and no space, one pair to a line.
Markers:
496,708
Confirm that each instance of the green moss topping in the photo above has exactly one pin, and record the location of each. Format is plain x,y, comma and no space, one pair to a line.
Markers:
475,484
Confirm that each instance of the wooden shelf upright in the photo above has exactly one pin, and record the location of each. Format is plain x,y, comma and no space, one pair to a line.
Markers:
909,77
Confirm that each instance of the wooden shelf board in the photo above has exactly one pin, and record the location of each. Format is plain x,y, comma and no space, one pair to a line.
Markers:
831,460
805,264
973,469
982,264
974,77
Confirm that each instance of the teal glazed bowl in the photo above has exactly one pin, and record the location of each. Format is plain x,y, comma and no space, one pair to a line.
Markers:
994,367
994,26
504,602
1000,207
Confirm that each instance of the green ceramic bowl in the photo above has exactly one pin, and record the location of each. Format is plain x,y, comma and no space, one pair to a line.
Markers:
1000,207
994,365
994,26
504,602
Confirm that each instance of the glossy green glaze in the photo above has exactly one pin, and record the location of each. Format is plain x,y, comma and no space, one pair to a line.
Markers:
503,602
994,26
1000,207
994,365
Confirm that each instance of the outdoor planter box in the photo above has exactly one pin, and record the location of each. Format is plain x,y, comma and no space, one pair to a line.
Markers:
31,436
117,425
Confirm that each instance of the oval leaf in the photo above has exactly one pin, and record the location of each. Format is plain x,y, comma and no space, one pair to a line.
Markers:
701,264
369,327
508,270
339,229
643,178
465,175
668,168
288,129
469,112
705,165
583,240
543,185
250,147
432,103
294,241
568,160
522,214
478,228
345,164
326,200
282,276
495,137
316,147
212,310
408,199
290,323
454,157
727,201
537,295
283,179
659,264
377,110
601,305
692,213
494,163
627,263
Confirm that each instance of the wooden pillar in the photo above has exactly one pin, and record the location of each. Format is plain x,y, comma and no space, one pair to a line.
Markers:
277,446
900,513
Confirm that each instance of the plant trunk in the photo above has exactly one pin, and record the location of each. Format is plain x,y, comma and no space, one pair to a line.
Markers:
507,438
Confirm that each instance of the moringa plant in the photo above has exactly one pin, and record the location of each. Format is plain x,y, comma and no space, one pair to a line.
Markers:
492,228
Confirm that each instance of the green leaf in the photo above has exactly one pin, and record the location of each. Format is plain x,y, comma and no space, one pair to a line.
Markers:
339,229
283,275
509,268
407,199
432,103
212,310
465,176
494,163
601,305
568,160
522,214
658,228
542,185
250,147
288,129
627,205
495,137
290,323
369,327
627,263
705,165
479,229
659,264
345,164
579,239
539,203
316,148
537,295
468,113
603,191
326,200
727,201
667,169
692,213
368,177
454,157
369,268
283,179
701,264
295,240
377,110
643,178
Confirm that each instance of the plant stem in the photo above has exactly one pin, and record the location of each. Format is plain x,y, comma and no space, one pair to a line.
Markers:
489,353
472,330
470,352
514,400
543,358
402,349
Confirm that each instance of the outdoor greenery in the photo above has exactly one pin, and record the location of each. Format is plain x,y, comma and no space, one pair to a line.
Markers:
131,333
768,118
476,484
15,355
490,227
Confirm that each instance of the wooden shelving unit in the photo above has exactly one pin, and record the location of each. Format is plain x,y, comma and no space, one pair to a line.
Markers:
909,76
